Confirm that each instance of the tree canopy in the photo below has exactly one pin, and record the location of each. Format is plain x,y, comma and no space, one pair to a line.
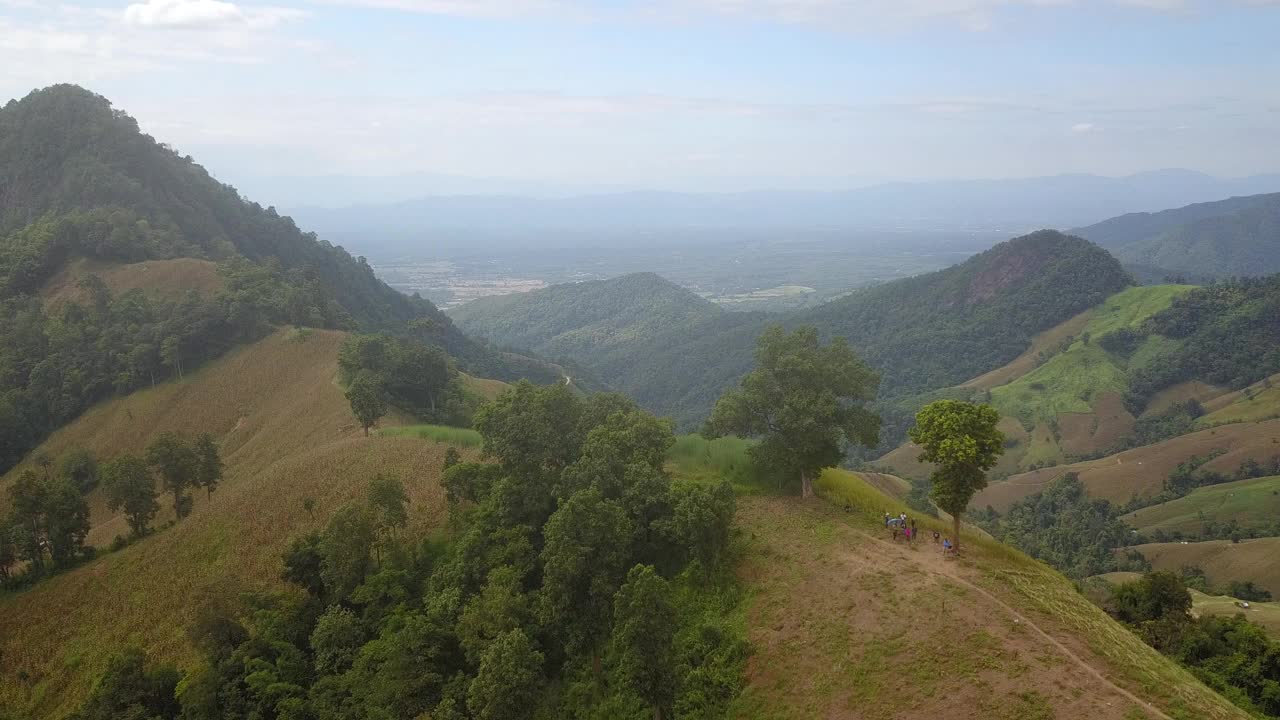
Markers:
961,439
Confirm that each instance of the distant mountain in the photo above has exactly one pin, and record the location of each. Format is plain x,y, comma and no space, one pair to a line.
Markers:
676,352
622,218
1235,237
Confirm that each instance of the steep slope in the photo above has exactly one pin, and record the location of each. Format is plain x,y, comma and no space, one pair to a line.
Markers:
923,333
1235,237
286,435
847,624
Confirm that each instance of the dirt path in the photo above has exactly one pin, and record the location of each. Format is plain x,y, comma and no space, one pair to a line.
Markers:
846,625
950,568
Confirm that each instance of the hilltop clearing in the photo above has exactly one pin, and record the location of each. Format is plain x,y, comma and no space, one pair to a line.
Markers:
1222,560
286,435
847,624
163,279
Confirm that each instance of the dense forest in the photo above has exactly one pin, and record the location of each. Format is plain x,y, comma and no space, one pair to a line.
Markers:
1226,334
78,179
577,580
921,333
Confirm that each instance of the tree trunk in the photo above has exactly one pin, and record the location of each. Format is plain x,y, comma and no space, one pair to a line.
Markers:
955,525
657,713
366,431
598,672
806,485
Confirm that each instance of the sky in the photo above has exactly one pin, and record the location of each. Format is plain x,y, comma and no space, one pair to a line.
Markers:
673,94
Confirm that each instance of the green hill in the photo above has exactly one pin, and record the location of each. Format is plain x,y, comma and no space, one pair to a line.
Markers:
165,266
922,333
1229,238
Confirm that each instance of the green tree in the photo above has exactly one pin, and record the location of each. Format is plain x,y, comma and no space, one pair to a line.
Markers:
336,640
8,550
367,404
29,497
644,626
81,467
508,681
584,561
961,439
500,607
175,463
132,689
303,561
208,468
346,548
389,503
130,486
804,400
66,521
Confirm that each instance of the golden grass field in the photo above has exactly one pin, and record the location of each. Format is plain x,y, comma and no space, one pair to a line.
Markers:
286,435
168,279
1222,560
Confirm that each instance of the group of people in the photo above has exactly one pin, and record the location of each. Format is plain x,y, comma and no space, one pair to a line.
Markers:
904,526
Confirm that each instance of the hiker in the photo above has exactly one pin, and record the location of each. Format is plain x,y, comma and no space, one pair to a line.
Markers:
907,531
886,518
915,532
946,546
894,526
936,535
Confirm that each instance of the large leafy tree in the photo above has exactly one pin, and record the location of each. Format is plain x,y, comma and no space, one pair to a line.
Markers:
644,636
508,681
961,440
176,463
367,404
66,521
804,400
130,486
208,468
585,559
132,687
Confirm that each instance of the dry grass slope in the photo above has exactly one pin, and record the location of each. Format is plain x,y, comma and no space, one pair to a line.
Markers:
286,434
1222,560
167,279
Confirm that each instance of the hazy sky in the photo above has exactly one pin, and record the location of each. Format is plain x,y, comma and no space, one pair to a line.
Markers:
675,93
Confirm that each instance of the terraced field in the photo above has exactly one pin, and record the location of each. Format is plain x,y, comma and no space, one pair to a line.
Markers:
1222,560
1253,503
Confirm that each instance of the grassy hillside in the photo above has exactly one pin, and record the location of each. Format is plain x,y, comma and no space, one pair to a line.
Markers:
1222,560
922,333
1142,471
846,624
1252,503
1235,237
286,435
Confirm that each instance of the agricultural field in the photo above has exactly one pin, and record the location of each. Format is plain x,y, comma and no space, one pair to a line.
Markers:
286,435
1142,471
1222,560
1260,401
1253,503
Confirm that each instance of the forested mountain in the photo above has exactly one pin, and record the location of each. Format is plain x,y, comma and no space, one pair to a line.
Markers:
79,180
922,333
1230,238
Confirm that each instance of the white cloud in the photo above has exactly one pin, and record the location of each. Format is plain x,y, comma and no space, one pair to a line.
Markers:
183,13
493,9
1084,127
